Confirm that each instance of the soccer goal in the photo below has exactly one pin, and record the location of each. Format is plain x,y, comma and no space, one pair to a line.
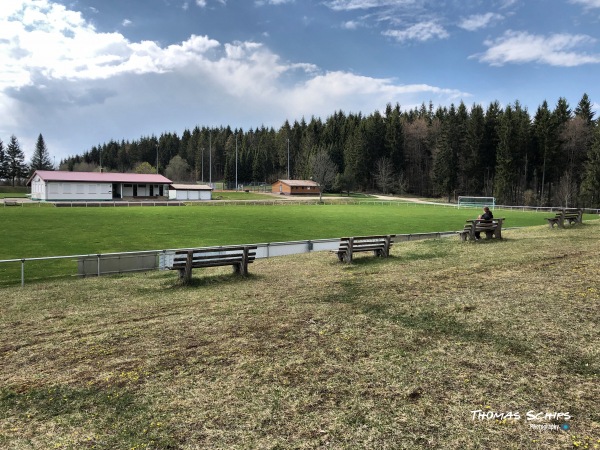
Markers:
480,202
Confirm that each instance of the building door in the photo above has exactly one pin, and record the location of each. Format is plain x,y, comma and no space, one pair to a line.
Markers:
115,191
151,190
135,190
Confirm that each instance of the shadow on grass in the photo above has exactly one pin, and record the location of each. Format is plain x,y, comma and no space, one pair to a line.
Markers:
580,365
432,323
200,280
128,416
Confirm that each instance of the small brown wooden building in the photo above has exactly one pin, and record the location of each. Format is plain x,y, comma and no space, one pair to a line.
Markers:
295,187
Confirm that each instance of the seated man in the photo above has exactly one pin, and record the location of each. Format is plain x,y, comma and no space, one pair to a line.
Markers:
488,216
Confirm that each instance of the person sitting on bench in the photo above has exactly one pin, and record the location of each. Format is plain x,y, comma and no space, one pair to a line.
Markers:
487,215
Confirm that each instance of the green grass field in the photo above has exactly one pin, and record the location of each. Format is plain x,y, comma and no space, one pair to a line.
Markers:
37,232
33,232
306,352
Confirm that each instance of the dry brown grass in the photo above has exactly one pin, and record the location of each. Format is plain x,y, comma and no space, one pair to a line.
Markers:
309,353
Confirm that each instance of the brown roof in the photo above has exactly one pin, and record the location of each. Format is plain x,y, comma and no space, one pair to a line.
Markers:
298,183
191,187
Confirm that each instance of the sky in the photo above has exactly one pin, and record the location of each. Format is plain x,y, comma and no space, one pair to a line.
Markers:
84,72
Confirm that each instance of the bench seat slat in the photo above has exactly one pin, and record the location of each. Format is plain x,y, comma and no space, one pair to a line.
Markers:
237,256
380,245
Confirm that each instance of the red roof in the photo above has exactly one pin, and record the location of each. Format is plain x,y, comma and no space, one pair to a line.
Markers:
99,177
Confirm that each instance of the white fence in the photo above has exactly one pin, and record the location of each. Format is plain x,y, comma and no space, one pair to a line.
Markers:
114,263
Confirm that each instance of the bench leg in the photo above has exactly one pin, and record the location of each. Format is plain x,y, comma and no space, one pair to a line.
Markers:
489,234
348,254
187,276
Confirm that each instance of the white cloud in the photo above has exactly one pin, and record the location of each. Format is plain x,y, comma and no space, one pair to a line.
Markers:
351,25
349,5
201,3
478,21
272,2
61,74
126,22
423,31
587,3
523,47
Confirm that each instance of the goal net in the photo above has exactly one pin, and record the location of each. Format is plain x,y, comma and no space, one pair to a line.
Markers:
479,202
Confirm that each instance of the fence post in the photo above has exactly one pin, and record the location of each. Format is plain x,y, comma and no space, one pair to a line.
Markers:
22,273
98,264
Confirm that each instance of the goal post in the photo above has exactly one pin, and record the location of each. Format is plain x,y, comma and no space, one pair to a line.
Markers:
473,202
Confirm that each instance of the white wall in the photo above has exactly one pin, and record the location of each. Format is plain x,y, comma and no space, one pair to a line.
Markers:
54,190
184,194
77,191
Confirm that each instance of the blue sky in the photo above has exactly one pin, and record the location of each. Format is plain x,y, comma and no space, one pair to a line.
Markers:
82,72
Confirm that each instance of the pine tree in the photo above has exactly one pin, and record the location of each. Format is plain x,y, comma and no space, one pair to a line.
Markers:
3,162
584,110
41,158
590,187
15,161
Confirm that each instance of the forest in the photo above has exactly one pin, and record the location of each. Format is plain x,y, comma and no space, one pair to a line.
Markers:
552,158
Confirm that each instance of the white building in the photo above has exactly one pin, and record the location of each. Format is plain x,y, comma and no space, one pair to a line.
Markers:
190,192
50,185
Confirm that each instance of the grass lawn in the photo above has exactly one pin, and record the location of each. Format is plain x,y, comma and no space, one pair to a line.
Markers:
37,232
232,195
307,352
30,232
13,194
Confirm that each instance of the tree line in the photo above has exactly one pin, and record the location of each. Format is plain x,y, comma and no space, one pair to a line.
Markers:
552,158
13,169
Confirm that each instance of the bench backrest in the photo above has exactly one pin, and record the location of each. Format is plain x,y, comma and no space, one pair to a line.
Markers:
207,254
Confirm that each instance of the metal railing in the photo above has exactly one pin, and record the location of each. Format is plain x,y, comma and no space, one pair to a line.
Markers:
97,264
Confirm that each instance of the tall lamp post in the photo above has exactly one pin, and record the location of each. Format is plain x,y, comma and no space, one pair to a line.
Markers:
288,145
157,158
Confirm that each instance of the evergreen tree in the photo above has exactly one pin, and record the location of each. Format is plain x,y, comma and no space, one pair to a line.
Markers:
3,162
450,145
506,176
41,158
394,138
590,187
470,161
15,161
584,110
543,144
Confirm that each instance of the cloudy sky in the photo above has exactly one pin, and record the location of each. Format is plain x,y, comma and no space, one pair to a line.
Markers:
82,72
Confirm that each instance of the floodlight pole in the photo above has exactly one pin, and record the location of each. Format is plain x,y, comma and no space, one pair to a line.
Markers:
209,159
203,164
236,163
157,158
288,171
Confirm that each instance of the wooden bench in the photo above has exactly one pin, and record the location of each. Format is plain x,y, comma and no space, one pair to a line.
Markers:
491,228
379,245
237,256
10,203
570,215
